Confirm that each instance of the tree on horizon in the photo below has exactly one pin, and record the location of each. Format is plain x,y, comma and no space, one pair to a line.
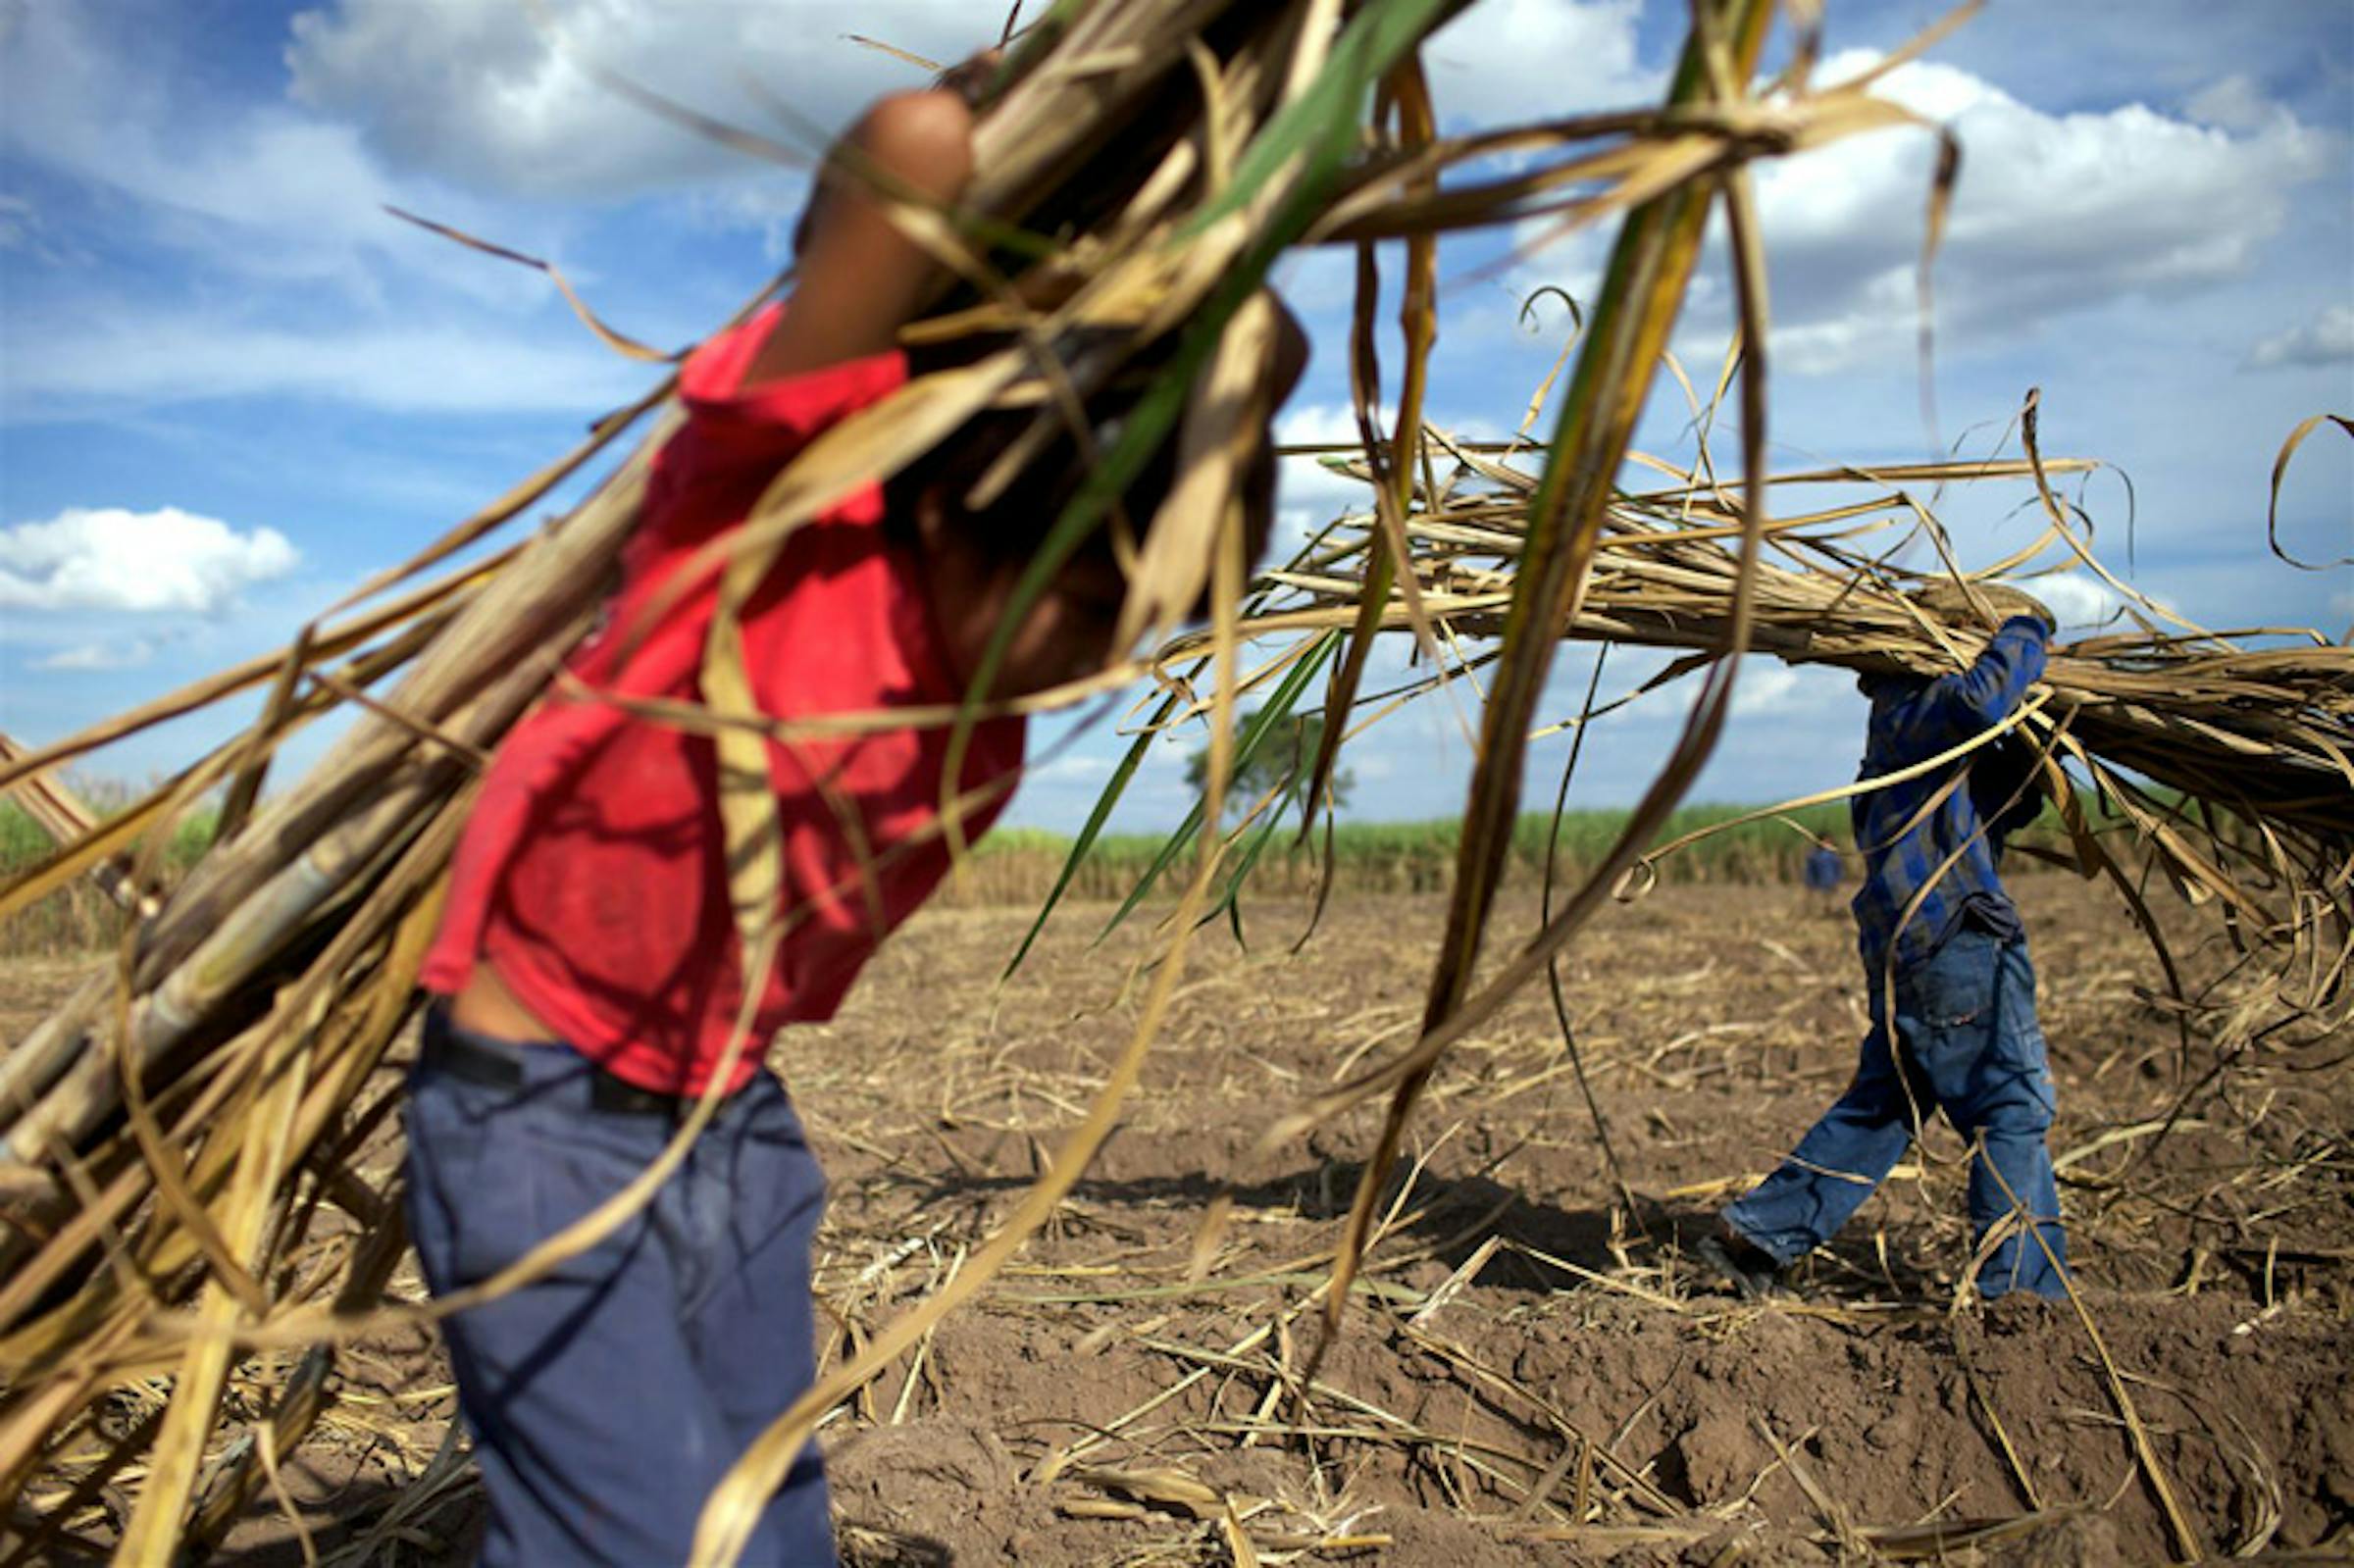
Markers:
1281,762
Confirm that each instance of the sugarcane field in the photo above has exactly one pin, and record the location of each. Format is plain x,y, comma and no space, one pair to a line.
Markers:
1176,783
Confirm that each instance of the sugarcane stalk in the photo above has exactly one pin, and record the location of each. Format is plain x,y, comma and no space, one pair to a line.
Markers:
155,1525
332,871
526,618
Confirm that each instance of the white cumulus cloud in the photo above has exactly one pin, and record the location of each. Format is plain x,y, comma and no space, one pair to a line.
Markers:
480,93
261,190
2234,103
2077,598
483,95
1307,483
1768,687
1512,60
107,558
2053,212
265,263
2326,340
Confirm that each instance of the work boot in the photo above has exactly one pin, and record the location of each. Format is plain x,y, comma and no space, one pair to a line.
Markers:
1750,1269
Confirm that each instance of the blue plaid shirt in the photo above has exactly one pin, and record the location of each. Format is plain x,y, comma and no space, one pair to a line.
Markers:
1913,720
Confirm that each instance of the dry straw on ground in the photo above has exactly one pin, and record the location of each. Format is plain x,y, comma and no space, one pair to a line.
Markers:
174,1130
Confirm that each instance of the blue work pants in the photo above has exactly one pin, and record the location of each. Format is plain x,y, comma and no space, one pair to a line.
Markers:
606,1399
1971,1048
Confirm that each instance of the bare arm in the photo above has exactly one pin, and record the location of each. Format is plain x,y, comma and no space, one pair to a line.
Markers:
860,279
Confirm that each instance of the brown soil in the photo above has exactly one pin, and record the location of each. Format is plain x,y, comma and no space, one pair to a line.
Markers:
1585,1393
1716,1023
30,989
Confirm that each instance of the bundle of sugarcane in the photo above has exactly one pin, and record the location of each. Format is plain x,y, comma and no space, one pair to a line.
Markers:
174,1131
2225,753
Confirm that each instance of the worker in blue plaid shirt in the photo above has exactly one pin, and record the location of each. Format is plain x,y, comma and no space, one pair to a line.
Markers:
1953,996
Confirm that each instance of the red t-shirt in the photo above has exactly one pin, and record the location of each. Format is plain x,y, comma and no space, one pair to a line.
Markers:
592,877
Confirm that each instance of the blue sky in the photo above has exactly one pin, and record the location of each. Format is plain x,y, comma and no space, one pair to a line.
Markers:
230,387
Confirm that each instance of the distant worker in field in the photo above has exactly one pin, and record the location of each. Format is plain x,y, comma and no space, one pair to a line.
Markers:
590,978
1952,995
1825,872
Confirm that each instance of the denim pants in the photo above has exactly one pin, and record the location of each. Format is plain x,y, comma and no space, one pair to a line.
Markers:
1965,1019
606,1399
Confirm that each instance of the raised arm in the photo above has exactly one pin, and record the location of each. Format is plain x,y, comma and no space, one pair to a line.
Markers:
860,279
1952,708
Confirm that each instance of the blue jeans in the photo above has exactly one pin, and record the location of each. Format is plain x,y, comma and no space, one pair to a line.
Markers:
606,1399
1972,1048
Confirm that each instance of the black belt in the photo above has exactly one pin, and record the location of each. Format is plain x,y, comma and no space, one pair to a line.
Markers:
453,1053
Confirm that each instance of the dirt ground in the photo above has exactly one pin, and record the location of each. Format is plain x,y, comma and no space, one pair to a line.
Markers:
1533,1370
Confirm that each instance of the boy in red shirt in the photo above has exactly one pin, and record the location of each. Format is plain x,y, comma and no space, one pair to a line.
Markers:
588,977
